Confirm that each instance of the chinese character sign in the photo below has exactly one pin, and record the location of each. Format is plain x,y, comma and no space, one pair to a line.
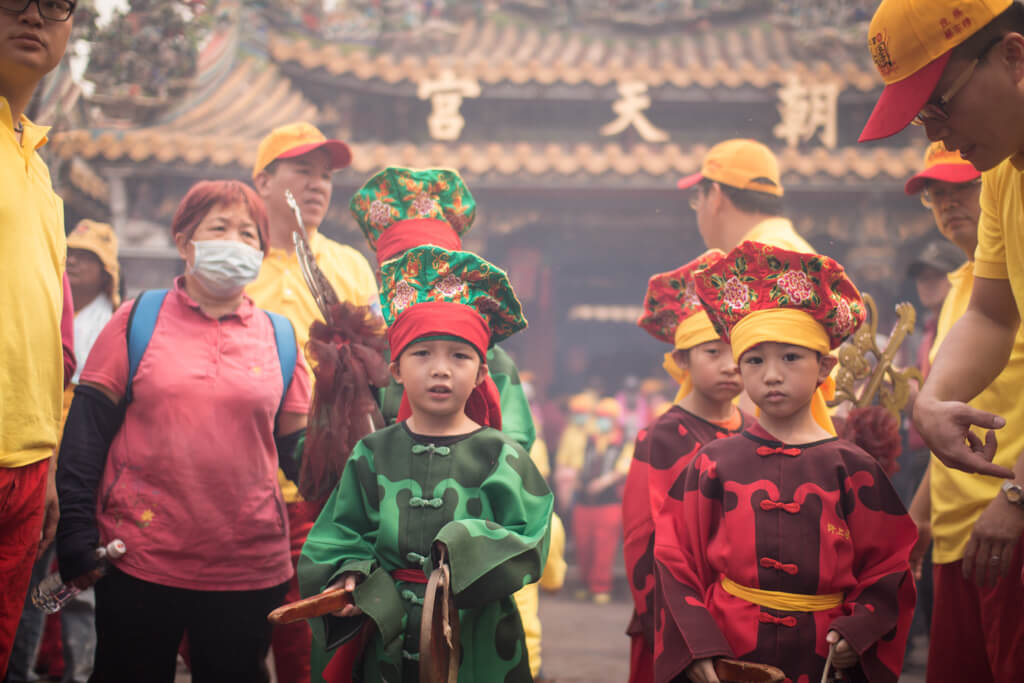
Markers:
633,101
446,93
806,110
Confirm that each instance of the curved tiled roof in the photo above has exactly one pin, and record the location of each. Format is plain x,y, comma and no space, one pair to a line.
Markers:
758,55
171,145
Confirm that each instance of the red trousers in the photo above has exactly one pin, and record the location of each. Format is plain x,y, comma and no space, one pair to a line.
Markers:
597,532
22,490
292,643
977,633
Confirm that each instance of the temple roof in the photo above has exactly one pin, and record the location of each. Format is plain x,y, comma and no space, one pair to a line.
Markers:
759,55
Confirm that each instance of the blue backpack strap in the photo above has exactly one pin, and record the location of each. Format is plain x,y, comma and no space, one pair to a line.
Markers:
287,349
141,322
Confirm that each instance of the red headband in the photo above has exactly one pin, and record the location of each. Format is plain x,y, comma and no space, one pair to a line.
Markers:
445,318
416,232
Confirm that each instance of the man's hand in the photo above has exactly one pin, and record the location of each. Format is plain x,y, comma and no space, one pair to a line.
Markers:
992,544
51,508
702,671
917,553
946,428
86,580
347,581
844,656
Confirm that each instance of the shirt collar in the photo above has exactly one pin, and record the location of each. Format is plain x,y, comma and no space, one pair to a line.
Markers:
244,312
32,138
315,245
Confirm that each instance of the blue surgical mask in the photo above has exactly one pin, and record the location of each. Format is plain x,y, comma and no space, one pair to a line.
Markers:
225,267
604,424
580,419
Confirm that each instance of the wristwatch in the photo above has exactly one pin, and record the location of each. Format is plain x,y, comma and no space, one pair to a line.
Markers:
1014,493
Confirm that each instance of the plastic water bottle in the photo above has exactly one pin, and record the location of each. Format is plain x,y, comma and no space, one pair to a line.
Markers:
51,594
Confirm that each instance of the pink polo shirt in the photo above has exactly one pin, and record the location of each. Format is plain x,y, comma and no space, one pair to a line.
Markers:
190,483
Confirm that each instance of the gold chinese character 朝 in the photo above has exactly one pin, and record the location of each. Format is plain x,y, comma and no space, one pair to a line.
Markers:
805,109
446,93
630,107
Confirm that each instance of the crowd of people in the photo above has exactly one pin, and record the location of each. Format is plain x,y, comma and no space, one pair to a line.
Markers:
756,522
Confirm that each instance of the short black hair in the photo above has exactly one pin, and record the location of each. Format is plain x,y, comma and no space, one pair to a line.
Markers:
748,201
1010,20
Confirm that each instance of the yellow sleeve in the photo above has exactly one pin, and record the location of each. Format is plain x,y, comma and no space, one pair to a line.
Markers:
571,448
539,456
554,571
625,459
990,256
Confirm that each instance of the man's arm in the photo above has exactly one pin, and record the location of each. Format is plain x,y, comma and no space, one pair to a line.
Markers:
972,355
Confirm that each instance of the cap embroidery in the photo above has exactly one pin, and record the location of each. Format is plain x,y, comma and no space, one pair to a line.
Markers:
880,52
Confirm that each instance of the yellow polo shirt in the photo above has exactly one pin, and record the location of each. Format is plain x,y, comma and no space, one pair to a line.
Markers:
280,288
959,498
779,232
32,253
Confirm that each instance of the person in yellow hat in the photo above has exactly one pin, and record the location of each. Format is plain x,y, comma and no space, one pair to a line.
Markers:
783,545
955,510
954,68
571,446
300,158
708,382
597,513
737,195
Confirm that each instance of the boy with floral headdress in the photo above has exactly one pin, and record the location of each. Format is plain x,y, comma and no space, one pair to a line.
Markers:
703,411
401,208
783,545
443,483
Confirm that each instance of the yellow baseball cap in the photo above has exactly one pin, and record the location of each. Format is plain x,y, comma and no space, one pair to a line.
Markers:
910,42
295,139
740,163
100,239
941,164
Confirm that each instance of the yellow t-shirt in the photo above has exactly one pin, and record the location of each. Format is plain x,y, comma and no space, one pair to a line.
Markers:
280,288
528,597
32,253
959,498
779,232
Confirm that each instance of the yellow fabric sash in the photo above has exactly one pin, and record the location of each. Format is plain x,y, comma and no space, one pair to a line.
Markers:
786,602
695,330
788,326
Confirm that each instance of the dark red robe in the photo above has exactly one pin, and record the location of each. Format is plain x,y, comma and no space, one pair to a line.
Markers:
662,451
812,519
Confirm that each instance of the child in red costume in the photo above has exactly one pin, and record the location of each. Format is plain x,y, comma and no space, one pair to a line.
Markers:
703,411
784,543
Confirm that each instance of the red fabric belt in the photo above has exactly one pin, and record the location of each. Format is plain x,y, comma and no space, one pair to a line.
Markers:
410,575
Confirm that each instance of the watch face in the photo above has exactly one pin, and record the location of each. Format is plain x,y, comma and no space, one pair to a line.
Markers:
1014,493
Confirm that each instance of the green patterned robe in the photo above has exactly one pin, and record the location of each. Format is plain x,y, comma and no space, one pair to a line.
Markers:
479,495
516,420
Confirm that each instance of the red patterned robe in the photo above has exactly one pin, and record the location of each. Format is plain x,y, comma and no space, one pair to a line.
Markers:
813,519
662,451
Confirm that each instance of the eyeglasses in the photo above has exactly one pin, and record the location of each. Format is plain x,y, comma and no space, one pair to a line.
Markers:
52,10
934,195
936,111
698,190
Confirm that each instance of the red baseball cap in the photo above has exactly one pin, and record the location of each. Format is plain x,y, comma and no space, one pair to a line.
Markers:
911,42
943,165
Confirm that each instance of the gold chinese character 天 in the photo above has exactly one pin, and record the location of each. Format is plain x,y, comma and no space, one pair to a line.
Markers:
630,107
446,93
806,109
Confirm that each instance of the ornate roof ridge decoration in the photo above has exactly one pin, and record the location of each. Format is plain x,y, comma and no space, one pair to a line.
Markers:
172,144
758,55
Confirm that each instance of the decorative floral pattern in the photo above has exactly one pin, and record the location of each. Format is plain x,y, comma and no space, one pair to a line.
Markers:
397,194
757,277
672,298
431,273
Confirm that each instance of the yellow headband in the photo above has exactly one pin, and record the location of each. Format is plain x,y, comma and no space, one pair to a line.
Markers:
695,330
788,326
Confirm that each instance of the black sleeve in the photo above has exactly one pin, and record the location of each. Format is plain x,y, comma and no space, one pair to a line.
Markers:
289,453
92,422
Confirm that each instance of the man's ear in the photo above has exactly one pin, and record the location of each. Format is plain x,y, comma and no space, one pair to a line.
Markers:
682,358
396,371
481,374
826,364
260,182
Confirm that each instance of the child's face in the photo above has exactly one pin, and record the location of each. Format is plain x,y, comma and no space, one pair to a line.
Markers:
439,375
781,378
712,370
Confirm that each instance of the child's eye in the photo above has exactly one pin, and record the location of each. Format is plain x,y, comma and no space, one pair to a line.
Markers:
420,352
462,356
752,360
791,357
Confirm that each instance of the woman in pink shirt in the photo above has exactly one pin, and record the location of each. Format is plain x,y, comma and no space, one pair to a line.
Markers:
185,472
